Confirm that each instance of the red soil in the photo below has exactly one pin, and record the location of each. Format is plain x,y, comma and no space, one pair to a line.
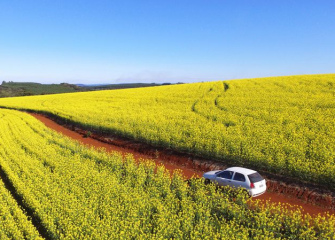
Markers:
189,168
90,141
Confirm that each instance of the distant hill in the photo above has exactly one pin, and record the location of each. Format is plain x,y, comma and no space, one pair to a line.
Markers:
15,89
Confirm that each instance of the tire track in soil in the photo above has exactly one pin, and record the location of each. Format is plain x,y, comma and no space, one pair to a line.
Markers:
178,162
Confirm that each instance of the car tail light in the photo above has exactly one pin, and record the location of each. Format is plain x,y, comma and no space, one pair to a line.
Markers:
252,185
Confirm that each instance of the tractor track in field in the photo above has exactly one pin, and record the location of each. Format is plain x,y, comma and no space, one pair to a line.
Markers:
311,198
30,212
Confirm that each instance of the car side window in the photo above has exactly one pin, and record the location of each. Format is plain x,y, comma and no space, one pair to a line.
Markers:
239,177
226,174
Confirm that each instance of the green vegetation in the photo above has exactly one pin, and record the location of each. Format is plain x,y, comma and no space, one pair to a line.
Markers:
81,193
12,89
284,125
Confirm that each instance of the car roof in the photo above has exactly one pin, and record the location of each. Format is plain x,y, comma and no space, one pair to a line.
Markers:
241,170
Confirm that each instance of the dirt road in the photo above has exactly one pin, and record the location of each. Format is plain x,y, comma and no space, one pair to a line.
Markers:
184,166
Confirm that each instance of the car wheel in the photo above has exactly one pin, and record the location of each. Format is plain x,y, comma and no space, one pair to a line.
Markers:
207,181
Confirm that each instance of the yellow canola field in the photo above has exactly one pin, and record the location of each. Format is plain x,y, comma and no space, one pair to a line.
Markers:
14,224
81,193
284,125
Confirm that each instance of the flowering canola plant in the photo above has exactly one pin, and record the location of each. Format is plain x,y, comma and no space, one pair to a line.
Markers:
14,224
86,193
284,125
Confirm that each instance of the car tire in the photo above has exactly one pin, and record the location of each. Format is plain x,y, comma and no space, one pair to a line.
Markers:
207,181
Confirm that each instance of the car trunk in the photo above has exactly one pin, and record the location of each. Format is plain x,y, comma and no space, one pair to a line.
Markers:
257,183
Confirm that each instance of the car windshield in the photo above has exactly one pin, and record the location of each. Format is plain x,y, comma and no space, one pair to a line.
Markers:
255,177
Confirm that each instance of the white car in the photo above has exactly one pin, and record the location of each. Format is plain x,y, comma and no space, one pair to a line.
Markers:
236,177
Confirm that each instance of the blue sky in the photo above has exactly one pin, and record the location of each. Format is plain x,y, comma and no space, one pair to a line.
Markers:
101,41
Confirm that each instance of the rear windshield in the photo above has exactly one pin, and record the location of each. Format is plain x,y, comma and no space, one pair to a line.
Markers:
255,177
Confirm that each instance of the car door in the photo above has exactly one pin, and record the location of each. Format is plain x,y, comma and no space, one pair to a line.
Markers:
239,180
224,178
